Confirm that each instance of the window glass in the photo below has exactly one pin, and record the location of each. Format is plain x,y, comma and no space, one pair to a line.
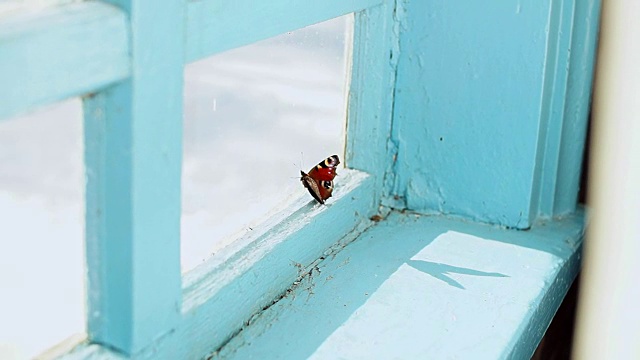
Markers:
41,230
13,6
251,115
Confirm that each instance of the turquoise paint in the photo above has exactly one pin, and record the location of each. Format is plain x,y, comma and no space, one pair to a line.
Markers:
34,71
50,55
253,276
579,87
458,76
257,270
553,101
133,141
467,80
445,289
566,102
371,95
217,25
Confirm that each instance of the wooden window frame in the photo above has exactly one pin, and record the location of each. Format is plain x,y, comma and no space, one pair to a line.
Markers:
138,302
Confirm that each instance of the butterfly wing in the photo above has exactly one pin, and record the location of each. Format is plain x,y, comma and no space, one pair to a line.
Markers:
319,180
321,190
326,169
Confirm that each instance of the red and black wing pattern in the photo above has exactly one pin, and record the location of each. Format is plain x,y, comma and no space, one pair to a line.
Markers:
319,180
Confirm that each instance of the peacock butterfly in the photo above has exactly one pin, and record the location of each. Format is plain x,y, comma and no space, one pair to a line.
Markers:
319,180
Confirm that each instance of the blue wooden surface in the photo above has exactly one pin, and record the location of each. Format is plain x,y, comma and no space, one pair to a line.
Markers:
133,142
411,286
221,295
51,55
479,107
475,110
370,111
554,90
566,102
217,25
584,39
416,287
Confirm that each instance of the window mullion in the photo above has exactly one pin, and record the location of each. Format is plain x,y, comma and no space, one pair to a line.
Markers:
373,75
133,145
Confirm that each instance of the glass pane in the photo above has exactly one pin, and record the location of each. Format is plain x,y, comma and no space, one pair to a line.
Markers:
41,230
251,114
11,6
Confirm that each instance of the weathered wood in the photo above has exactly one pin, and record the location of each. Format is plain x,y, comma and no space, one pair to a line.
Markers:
488,125
475,127
417,287
133,144
370,111
223,293
52,54
214,26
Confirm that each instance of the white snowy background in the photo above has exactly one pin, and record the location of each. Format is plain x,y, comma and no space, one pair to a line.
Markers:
249,114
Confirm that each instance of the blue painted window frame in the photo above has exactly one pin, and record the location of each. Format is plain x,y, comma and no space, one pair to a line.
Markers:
138,303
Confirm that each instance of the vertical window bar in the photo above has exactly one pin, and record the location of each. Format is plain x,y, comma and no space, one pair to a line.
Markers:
570,60
133,142
370,108
584,38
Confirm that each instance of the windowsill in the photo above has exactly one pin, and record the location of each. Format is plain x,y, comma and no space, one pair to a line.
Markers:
257,269
296,234
416,286
410,286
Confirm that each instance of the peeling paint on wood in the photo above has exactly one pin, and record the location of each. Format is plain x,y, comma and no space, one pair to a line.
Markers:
441,288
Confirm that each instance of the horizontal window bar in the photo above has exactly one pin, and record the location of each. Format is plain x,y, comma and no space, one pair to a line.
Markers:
218,25
71,50
60,52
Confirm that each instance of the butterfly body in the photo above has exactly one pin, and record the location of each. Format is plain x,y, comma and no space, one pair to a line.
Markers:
319,180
